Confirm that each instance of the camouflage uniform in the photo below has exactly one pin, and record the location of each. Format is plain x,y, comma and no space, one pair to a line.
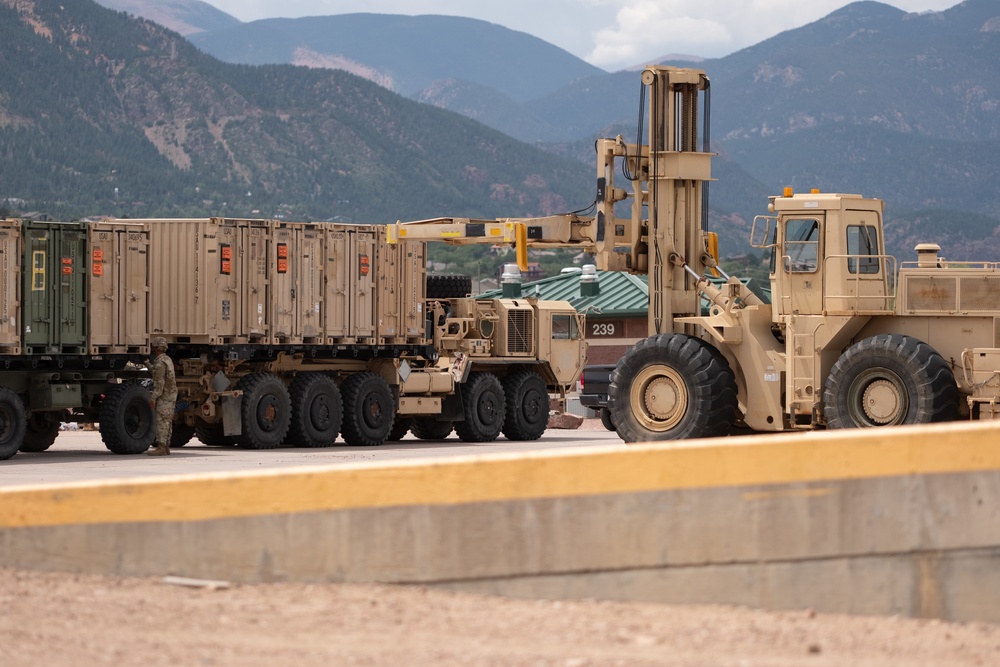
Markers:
164,395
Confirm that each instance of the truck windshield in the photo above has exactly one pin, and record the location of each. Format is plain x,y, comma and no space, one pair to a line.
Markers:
564,327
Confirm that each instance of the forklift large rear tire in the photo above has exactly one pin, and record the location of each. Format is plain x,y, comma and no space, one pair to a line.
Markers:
607,420
317,411
369,409
265,411
527,406
671,387
41,432
889,380
483,408
127,423
13,422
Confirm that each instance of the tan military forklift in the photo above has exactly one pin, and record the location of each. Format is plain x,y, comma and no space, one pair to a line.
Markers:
850,338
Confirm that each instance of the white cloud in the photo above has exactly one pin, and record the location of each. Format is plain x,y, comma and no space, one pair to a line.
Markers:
710,28
649,26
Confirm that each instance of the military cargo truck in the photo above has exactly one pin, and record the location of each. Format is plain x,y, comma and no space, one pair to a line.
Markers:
281,332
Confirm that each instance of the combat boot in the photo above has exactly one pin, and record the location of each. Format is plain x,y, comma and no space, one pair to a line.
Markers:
159,450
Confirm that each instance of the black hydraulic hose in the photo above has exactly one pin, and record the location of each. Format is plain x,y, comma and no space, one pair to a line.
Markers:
629,176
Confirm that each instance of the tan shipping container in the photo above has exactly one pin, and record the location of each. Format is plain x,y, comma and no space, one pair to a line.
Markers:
196,280
118,288
10,287
388,266
349,292
413,269
253,267
402,280
296,268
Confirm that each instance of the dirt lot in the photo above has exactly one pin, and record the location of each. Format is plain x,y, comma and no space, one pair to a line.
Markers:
64,619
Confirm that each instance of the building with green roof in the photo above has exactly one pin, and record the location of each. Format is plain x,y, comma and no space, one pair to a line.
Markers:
616,304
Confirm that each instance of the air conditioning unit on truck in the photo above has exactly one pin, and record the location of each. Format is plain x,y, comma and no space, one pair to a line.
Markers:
849,340
280,332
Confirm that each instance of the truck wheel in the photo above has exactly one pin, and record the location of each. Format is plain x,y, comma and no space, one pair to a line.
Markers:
429,428
527,401
213,435
607,420
482,407
369,409
41,431
888,380
264,412
400,428
180,434
13,423
451,286
127,423
316,411
670,387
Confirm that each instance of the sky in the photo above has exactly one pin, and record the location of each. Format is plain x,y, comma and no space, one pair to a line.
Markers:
611,34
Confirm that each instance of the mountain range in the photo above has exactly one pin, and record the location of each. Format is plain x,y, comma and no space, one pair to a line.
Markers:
869,99
104,113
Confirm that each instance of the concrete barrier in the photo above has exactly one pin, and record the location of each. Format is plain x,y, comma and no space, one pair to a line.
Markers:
897,521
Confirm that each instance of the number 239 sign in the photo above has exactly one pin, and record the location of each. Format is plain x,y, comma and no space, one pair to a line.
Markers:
610,329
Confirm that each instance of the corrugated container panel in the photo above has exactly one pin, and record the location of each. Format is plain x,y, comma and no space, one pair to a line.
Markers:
389,286
296,269
413,281
361,275
350,284
337,289
309,278
37,302
118,288
254,271
10,297
284,266
54,287
195,279
401,290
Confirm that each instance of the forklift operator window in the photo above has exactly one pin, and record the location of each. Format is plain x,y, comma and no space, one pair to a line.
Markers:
862,246
801,245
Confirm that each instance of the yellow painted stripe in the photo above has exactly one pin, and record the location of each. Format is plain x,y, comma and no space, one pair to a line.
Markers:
744,461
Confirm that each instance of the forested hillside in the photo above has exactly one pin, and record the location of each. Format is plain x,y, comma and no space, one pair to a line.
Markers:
106,114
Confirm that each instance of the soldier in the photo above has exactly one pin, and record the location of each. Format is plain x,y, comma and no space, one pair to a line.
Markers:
163,397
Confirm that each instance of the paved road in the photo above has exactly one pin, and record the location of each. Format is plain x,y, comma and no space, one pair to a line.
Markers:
80,456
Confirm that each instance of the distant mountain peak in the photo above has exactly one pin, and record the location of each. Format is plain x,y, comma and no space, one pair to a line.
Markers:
187,17
669,58
309,58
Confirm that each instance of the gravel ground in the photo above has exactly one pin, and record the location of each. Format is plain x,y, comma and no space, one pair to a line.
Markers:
56,620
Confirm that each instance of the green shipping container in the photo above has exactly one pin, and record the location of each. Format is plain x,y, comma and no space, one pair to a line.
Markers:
54,284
